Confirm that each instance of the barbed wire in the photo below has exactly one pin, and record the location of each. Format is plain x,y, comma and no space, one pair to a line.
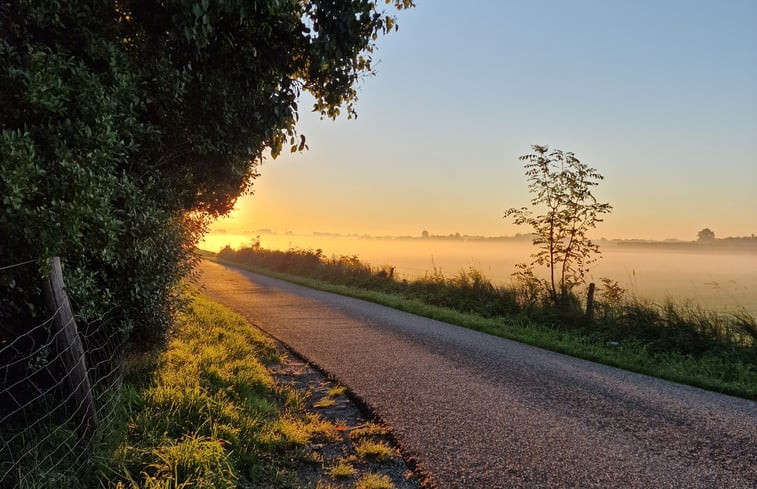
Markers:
40,421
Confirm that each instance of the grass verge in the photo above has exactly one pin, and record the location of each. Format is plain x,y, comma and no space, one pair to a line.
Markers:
686,345
207,413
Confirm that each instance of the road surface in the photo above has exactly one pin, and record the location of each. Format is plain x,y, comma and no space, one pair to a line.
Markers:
477,411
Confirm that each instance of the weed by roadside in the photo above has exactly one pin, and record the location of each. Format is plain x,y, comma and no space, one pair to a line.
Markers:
374,481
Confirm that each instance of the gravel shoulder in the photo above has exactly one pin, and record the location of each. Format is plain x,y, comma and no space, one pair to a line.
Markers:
329,400
479,411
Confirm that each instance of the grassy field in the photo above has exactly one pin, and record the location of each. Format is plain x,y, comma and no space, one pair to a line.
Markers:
679,342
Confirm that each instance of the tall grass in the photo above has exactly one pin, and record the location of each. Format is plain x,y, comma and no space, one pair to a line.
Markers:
680,341
206,413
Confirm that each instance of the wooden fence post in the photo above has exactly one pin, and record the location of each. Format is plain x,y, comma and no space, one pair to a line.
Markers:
590,303
70,349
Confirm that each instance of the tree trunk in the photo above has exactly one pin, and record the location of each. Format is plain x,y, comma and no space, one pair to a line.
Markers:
70,350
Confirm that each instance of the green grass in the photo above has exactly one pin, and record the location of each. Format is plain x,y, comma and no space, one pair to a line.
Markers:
337,391
324,403
377,450
678,342
374,481
368,429
342,469
207,414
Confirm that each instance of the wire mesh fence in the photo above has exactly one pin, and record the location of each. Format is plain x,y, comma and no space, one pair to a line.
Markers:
42,439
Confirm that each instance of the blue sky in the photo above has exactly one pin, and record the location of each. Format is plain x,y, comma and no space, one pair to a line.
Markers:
659,96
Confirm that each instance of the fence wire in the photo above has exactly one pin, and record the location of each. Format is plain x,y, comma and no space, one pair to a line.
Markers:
40,425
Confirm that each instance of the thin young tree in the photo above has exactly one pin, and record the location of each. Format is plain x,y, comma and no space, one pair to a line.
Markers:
562,186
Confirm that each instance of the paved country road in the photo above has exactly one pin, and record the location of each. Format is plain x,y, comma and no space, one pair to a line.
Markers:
477,411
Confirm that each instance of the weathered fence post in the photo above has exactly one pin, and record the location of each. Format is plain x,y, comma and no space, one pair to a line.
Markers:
70,349
590,303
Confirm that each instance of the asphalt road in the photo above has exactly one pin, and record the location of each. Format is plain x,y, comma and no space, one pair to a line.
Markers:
477,411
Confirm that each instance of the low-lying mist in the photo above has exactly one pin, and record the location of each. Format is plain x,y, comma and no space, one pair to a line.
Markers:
722,280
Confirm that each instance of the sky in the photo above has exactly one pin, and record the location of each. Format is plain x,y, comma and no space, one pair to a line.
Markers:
659,96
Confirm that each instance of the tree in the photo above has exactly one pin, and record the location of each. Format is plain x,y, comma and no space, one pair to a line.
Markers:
126,125
561,185
706,236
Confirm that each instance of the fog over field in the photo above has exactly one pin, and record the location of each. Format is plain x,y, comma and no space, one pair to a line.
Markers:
721,279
